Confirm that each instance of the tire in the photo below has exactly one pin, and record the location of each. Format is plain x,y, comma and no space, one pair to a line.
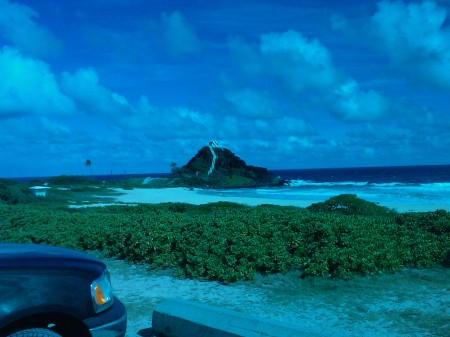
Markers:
35,333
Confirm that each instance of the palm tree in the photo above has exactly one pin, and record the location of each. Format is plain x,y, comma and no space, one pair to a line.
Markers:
88,163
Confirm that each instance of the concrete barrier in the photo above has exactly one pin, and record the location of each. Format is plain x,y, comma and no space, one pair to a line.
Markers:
180,318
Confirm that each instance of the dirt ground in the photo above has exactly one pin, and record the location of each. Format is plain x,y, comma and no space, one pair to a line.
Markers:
411,303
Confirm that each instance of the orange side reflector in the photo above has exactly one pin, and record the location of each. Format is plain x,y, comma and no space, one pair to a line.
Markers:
99,297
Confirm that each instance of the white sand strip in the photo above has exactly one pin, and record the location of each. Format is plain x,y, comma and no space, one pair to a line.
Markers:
182,194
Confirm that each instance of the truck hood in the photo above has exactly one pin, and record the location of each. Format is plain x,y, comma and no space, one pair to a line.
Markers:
16,253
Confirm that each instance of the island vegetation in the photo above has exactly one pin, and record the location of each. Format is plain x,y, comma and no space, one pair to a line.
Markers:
342,237
218,167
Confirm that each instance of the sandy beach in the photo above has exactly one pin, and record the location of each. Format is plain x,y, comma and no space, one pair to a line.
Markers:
198,197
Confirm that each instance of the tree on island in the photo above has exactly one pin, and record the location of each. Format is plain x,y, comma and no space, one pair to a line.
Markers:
88,163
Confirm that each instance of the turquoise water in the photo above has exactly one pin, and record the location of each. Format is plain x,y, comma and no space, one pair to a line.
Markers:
418,186
384,194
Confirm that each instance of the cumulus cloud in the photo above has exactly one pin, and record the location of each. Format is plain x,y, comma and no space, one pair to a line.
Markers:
27,86
416,39
18,26
351,104
190,122
84,88
251,103
180,37
301,63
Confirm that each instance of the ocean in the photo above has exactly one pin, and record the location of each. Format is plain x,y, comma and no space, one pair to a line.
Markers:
417,187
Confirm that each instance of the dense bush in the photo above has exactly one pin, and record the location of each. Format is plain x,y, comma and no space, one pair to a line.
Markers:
12,192
350,204
229,242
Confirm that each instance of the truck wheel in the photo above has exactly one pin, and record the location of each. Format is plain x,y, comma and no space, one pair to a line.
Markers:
35,333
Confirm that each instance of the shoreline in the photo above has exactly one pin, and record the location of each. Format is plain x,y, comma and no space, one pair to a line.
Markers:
199,197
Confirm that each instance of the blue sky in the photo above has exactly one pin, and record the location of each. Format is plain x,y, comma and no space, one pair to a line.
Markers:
136,85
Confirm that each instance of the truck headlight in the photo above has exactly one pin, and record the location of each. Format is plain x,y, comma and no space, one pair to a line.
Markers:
102,292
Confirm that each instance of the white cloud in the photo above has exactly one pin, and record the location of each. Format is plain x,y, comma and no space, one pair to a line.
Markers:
351,104
91,97
186,117
19,27
180,37
416,38
27,86
303,142
250,103
301,63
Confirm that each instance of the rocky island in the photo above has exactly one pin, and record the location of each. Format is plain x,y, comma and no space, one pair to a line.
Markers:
217,167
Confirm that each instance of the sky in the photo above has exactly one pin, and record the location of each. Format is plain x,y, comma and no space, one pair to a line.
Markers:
136,85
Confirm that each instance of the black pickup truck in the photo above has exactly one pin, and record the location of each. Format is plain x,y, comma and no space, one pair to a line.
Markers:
48,292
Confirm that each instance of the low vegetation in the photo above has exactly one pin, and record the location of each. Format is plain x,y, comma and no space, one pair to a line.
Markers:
342,237
11,192
349,204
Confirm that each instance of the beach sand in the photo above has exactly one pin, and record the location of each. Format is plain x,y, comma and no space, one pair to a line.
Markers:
196,197
199,197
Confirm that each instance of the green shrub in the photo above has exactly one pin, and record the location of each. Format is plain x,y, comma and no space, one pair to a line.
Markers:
230,242
350,204
12,192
